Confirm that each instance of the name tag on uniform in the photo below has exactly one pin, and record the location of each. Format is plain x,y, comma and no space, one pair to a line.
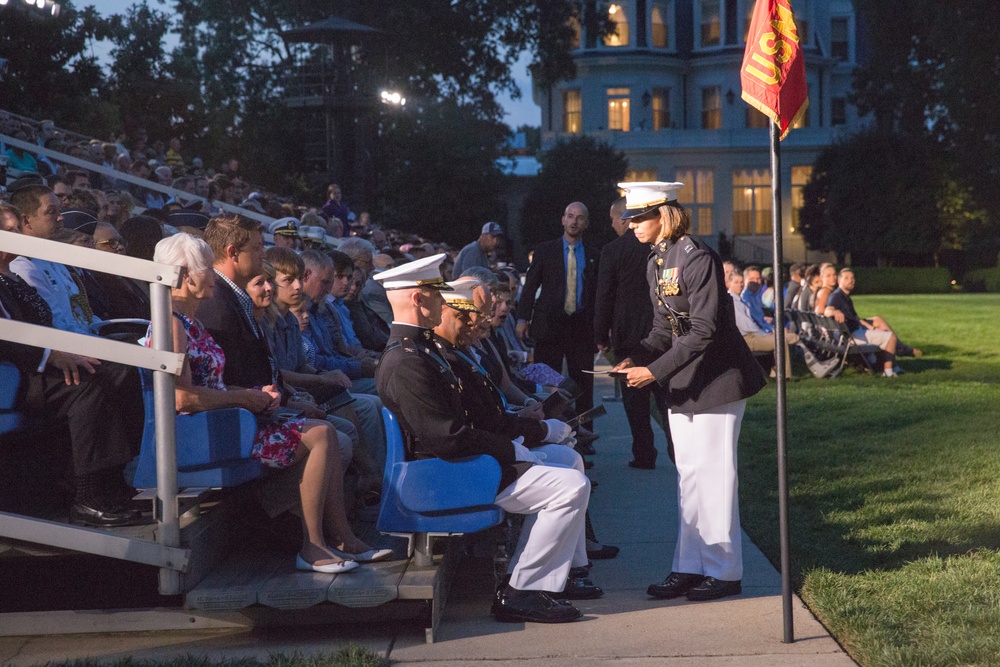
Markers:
670,282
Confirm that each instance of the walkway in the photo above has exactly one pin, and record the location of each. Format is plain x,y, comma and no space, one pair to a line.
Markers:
634,509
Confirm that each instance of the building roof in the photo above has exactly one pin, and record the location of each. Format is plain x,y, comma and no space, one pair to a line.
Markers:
325,31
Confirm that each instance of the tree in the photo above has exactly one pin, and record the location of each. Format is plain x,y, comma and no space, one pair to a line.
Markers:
50,71
886,199
581,169
439,177
931,75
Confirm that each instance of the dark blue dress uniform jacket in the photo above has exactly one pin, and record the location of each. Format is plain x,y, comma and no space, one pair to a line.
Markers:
695,349
419,387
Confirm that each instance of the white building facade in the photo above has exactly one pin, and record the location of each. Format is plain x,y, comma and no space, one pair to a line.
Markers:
664,89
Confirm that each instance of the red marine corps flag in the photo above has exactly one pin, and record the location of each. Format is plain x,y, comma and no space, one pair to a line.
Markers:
774,72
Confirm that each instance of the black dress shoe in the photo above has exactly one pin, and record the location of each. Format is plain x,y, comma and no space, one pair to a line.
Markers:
641,465
585,449
675,585
532,607
581,572
580,588
713,589
601,551
111,517
587,464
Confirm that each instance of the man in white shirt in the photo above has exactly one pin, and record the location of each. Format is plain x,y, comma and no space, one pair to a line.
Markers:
757,339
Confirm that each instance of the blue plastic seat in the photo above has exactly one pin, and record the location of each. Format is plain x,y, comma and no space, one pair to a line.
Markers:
213,447
434,495
10,382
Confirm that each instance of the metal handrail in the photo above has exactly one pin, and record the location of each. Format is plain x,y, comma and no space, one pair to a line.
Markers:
165,364
129,178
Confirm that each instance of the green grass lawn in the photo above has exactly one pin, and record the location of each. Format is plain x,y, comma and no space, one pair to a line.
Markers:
894,489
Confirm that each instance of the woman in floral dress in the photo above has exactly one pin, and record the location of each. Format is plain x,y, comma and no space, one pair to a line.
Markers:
279,443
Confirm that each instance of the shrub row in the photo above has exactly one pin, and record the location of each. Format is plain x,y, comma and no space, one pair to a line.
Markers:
902,280
982,280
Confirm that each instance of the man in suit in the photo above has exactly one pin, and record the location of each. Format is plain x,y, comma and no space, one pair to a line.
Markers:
561,320
238,245
623,316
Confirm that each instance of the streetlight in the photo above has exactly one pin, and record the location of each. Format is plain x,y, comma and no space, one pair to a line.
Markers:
393,98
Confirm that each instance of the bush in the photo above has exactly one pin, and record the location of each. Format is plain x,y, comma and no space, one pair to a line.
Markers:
982,280
901,280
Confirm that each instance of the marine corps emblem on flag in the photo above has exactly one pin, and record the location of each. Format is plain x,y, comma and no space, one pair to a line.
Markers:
774,72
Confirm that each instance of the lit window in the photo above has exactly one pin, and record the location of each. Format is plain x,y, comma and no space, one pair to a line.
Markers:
711,108
659,27
838,111
661,109
574,25
698,197
755,119
618,109
800,177
840,47
572,111
640,175
711,23
617,15
752,201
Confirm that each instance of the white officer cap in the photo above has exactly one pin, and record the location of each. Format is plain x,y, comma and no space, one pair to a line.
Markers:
284,226
424,272
315,233
460,298
647,196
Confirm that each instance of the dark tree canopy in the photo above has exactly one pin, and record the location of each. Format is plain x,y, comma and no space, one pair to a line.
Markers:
885,199
580,169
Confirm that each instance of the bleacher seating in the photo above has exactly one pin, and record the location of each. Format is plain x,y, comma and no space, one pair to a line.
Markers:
213,447
433,495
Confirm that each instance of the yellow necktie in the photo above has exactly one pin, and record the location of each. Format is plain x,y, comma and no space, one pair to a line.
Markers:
570,306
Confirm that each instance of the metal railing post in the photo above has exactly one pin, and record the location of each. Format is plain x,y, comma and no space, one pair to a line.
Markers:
165,408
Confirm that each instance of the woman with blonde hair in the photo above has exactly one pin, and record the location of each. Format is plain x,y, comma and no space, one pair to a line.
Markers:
279,443
703,373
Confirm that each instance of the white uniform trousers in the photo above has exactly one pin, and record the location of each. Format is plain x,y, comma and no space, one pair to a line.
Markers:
554,498
709,539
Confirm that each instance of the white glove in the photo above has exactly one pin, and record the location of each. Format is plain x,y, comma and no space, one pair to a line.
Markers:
522,453
557,431
569,442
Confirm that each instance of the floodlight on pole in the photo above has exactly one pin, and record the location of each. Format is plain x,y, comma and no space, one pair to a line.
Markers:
393,98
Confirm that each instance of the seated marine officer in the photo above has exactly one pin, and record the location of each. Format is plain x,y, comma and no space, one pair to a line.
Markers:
551,439
417,384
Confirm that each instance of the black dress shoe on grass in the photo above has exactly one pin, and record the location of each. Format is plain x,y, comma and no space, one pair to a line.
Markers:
532,607
675,585
641,465
112,517
713,589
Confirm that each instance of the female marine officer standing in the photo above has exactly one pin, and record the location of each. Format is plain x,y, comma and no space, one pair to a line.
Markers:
705,373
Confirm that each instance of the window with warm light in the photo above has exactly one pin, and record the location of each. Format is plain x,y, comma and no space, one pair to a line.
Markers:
572,111
661,109
640,175
711,23
711,108
751,201
755,119
698,197
618,109
618,16
659,26
800,178
574,25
